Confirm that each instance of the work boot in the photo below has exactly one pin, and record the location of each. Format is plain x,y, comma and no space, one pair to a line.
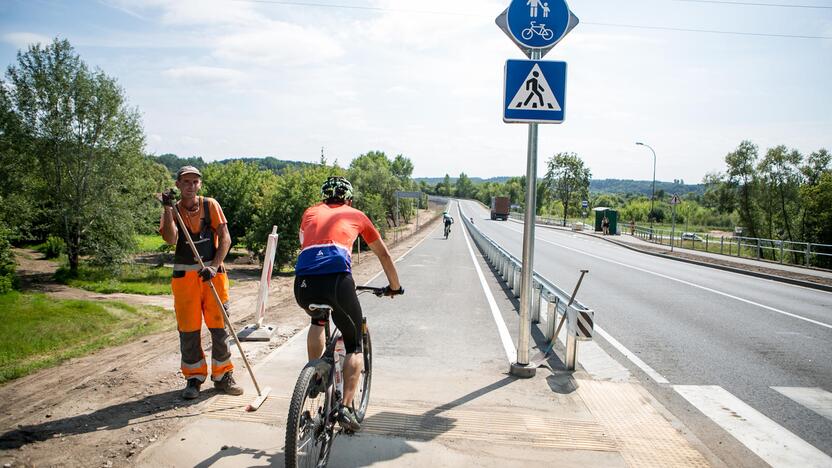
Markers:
227,385
347,419
192,389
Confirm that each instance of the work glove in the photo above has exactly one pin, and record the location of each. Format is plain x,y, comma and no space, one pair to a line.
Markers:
168,197
208,273
392,292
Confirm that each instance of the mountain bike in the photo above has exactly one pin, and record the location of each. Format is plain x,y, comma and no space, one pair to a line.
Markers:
313,411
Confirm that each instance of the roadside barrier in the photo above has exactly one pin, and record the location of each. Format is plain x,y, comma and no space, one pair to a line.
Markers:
546,296
803,254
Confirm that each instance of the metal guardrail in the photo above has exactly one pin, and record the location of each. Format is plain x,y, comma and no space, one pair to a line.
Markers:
556,221
785,252
557,303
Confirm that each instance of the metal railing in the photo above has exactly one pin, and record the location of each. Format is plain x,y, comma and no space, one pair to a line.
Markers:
546,296
585,224
780,251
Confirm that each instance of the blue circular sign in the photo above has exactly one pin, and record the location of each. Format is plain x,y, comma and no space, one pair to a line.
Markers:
538,24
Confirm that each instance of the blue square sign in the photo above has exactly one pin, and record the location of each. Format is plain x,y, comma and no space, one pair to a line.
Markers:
535,91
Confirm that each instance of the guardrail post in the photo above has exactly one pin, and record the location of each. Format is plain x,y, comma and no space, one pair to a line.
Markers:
781,251
721,243
808,253
551,318
518,272
759,248
571,340
537,301
739,247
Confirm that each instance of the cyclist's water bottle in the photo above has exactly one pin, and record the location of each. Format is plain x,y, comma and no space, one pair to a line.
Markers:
340,356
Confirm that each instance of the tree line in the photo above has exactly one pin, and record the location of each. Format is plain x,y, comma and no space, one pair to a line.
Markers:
781,194
75,170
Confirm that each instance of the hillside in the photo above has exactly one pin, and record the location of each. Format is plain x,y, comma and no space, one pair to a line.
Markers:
174,162
617,186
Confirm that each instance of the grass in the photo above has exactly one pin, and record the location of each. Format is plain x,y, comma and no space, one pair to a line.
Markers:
129,278
149,243
40,332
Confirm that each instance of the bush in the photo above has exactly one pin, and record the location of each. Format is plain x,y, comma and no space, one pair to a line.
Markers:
8,281
54,247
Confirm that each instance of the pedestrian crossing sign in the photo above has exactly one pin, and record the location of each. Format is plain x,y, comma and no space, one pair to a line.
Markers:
535,91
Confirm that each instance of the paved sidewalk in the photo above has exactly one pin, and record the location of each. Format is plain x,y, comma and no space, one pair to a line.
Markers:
441,395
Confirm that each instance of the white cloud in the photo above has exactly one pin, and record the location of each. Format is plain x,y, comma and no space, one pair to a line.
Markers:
278,43
24,39
198,75
193,12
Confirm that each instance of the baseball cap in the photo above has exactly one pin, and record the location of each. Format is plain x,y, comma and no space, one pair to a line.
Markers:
187,170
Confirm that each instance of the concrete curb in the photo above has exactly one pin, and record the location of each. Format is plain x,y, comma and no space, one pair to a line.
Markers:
782,279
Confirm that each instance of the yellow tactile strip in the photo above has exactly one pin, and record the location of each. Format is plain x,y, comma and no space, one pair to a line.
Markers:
644,436
420,421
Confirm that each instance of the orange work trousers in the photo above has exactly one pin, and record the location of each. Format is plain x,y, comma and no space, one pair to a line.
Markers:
193,302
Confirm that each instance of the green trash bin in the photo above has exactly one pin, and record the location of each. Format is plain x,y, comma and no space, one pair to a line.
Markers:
612,216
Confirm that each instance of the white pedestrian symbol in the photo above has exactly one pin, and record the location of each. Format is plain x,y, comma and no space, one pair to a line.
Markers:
535,93
534,4
546,10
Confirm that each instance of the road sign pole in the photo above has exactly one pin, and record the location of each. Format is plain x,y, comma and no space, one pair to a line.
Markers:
673,228
521,368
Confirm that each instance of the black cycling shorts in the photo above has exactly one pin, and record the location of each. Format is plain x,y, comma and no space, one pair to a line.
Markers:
336,290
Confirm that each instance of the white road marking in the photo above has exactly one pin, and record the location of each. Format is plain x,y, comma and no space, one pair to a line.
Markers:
508,345
704,288
631,356
776,445
814,398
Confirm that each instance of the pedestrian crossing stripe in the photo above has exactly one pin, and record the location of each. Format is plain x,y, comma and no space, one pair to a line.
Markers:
535,93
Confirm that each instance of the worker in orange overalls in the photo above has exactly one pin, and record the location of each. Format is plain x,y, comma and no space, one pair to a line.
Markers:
192,296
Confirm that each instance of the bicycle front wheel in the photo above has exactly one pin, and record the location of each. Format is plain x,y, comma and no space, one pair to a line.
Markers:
308,436
362,394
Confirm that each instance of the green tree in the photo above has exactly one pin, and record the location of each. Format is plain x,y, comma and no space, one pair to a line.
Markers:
86,145
446,189
285,199
464,186
782,168
237,186
373,180
568,180
817,198
742,176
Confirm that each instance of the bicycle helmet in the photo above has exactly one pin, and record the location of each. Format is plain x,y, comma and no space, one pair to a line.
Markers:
336,189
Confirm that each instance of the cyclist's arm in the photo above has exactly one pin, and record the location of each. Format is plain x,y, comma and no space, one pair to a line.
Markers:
380,249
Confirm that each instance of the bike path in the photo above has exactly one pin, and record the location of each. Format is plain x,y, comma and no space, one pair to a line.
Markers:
441,394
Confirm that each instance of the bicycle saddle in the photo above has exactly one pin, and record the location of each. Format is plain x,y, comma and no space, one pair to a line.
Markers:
321,307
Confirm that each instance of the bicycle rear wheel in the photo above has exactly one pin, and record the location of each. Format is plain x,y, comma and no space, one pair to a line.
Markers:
308,436
362,394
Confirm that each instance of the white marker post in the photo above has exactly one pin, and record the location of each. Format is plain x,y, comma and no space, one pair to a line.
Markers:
257,331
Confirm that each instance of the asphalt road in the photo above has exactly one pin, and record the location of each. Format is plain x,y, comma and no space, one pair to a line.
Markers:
698,328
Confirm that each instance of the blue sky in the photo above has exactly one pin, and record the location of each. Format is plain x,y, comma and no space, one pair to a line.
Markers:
223,78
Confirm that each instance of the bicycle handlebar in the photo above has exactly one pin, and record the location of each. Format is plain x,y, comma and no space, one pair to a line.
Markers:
385,291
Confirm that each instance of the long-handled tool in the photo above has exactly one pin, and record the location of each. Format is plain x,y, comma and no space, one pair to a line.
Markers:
544,355
261,394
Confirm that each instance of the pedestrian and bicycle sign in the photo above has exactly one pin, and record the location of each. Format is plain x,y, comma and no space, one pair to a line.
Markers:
535,91
537,24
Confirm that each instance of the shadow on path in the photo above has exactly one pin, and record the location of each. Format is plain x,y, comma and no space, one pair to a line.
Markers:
109,418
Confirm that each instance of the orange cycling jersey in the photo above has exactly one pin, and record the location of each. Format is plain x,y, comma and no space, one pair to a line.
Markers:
327,233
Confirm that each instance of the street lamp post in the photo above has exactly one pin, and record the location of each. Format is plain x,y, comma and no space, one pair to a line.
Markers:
653,195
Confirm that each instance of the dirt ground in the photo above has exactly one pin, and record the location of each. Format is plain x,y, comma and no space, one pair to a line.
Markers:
103,409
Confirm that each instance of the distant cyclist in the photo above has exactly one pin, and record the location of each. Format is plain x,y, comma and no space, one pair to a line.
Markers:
324,276
447,220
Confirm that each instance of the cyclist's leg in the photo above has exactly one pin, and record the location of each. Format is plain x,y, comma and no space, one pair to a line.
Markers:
312,290
348,318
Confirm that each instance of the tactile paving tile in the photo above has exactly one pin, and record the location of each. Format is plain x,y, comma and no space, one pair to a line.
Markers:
420,421
644,436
